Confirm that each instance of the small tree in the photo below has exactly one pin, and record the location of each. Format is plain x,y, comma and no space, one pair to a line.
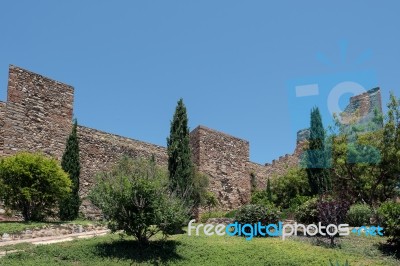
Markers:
134,197
368,166
33,184
69,207
180,165
332,211
268,189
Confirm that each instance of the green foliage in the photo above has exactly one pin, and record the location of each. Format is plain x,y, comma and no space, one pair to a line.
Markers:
230,214
110,250
268,190
316,158
359,215
307,213
260,197
134,197
367,164
69,207
338,264
180,164
253,213
33,184
199,193
297,202
211,200
389,216
289,186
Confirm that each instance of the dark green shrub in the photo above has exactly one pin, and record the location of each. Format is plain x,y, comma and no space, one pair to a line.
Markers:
359,215
307,212
250,214
230,214
298,201
134,197
211,201
288,187
260,197
389,218
33,184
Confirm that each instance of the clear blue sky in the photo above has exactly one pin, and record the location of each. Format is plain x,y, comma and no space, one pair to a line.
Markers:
231,61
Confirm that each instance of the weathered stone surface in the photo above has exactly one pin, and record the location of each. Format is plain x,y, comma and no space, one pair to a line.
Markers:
224,158
303,135
99,150
361,108
38,114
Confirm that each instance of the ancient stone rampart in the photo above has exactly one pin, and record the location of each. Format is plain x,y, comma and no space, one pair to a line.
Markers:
37,116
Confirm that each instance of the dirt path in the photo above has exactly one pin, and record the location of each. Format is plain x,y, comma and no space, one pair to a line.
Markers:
51,239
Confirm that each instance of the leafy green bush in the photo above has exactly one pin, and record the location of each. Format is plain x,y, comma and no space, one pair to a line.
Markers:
298,201
307,212
211,201
359,215
33,184
289,186
389,217
252,213
230,214
134,197
260,197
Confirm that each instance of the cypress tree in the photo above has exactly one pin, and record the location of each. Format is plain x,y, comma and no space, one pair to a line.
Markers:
69,207
268,189
316,156
180,163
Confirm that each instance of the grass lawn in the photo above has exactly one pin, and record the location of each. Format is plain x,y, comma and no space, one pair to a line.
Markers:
200,250
14,227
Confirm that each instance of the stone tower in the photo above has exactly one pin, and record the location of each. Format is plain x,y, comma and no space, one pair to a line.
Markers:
37,115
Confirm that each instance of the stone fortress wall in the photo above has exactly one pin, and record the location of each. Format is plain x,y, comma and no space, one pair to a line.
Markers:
38,117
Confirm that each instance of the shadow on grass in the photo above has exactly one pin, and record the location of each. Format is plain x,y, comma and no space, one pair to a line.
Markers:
390,250
156,252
